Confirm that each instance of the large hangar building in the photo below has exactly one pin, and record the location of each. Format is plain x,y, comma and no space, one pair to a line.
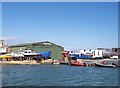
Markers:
56,50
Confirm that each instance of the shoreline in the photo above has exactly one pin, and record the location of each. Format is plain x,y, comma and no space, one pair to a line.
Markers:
33,62
25,62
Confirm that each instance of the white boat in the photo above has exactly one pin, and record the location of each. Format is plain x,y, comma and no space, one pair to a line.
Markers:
56,62
114,57
29,52
17,54
104,65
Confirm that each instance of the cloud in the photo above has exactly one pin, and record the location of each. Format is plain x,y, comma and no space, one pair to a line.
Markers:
10,38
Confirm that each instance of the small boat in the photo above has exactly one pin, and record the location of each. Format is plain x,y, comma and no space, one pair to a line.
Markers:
77,63
9,56
29,52
17,54
56,62
104,65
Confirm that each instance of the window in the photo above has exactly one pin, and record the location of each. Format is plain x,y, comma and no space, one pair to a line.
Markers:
25,52
116,50
94,53
98,53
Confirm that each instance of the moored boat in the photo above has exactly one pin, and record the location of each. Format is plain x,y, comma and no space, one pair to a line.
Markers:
77,63
56,62
104,65
29,52
8,56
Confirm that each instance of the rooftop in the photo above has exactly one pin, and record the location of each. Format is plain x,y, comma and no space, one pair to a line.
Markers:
25,44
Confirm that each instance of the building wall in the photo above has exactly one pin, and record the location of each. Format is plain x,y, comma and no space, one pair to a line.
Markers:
17,49
57,52
97,53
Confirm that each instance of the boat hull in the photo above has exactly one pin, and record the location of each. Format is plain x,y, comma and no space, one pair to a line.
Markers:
103,65
77,64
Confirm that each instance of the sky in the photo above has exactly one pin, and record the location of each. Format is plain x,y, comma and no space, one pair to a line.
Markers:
73,25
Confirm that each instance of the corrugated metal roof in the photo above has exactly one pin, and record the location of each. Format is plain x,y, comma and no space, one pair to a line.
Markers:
25,44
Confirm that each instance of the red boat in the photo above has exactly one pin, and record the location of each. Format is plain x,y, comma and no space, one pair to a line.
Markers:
76,63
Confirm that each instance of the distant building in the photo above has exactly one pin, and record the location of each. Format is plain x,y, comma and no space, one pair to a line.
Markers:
116,50
92,53
108,49
100,48
3,47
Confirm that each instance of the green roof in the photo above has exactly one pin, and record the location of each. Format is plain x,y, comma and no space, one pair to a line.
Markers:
25,44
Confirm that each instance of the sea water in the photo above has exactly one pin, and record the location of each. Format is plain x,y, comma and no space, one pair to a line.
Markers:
58,75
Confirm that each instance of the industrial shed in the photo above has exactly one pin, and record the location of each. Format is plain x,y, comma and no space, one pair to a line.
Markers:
39,47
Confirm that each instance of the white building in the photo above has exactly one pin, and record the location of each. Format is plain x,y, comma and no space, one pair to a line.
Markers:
3,47
93,53
98,53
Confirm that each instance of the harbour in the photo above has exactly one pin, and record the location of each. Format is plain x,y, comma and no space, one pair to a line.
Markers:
59,44
51,53
48,66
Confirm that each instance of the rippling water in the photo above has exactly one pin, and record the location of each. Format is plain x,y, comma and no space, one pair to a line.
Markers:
58,75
